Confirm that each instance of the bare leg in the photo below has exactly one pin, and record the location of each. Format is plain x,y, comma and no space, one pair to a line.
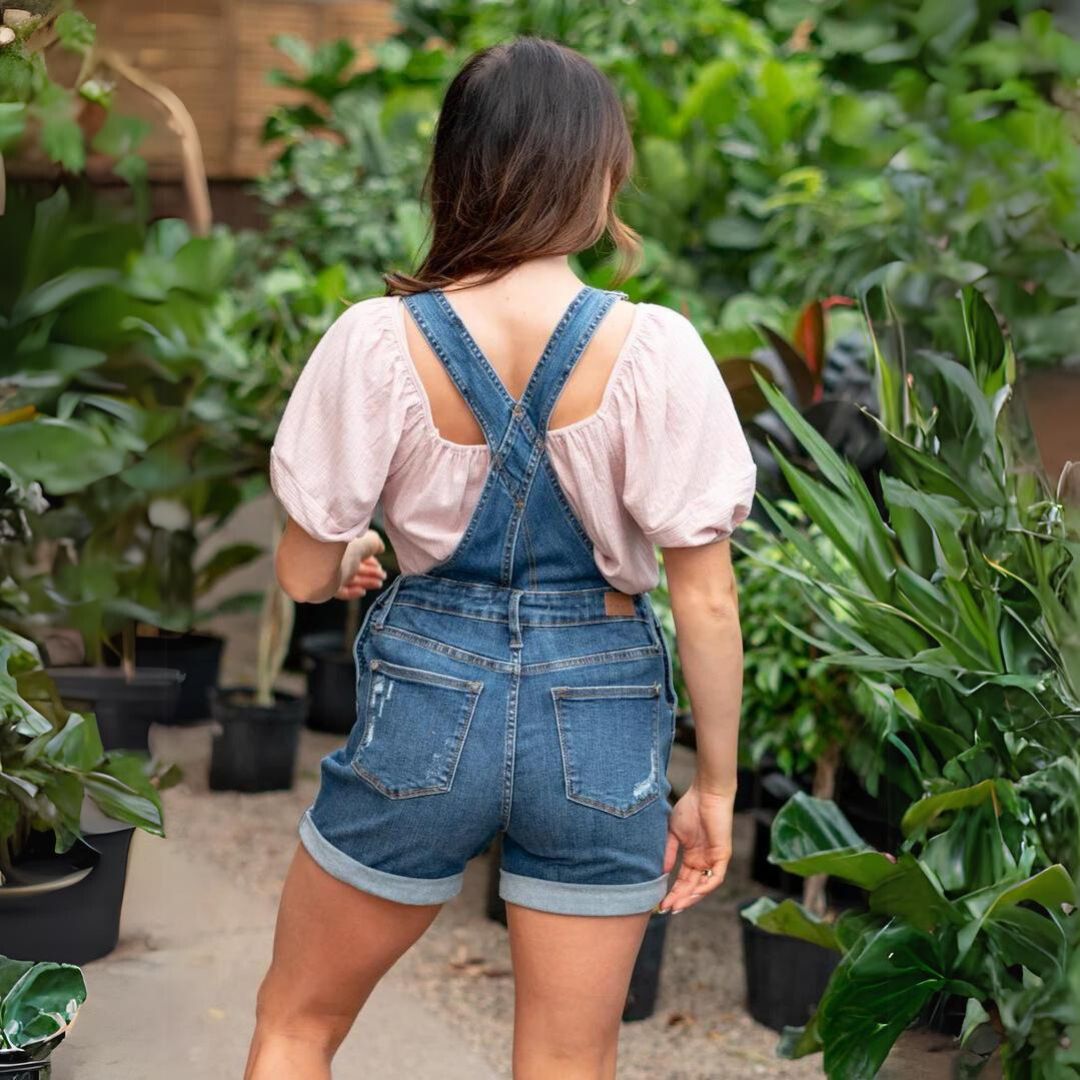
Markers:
332,945
571,975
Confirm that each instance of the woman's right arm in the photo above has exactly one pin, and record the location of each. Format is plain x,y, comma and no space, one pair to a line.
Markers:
313,571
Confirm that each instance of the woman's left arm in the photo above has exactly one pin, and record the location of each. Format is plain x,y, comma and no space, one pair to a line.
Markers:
313,571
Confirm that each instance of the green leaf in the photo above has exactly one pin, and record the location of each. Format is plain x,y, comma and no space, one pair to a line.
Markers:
54,294
62,455
709,98
11,971
1031,939
62,140
77,744
792,920
911,894
224,561
75,31
945,24
922,814
812,836
123,791
41,1005
120,134
946,518
869,547
12,123
875,993
1051,888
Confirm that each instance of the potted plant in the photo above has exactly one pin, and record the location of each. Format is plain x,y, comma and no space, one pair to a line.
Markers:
257,728
959,607
38,1004
67,810
152,461
799,717
822,372
112,328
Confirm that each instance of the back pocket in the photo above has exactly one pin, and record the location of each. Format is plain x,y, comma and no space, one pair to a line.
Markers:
610,745
414,728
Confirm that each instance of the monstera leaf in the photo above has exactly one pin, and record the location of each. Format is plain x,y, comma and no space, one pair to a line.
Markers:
38,1002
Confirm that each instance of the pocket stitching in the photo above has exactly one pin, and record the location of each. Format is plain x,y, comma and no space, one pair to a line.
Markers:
583,693
471,688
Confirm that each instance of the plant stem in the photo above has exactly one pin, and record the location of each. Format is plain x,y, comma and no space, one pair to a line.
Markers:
275,628
127,660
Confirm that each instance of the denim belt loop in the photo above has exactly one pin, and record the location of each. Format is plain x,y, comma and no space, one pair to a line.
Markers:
514,618
385,601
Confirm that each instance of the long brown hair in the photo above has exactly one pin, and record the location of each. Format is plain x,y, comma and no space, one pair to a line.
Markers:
528,135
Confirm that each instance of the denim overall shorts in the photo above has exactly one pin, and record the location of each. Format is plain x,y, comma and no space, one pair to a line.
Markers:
509,689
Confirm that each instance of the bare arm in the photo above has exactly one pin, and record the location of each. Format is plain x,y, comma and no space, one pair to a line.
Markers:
312,571
704,602
705,605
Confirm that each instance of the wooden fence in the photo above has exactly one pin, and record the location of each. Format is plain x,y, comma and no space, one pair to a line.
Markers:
215,56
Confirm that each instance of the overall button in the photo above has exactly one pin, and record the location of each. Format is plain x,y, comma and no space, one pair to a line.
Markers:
518,412
519,503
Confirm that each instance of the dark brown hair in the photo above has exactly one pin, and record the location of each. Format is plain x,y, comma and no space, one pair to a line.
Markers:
528,135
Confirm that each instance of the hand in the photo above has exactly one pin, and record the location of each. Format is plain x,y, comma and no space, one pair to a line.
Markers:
360,567
701,823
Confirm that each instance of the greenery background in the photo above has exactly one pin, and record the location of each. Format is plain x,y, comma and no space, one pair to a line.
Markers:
915,599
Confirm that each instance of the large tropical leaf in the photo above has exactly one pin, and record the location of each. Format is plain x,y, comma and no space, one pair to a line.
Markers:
792,920
812,836
63,456
40,1006
875,993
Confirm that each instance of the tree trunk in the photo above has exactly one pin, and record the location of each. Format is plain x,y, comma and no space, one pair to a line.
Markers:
824,787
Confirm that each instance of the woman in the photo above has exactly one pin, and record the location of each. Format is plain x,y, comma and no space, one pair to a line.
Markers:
532,441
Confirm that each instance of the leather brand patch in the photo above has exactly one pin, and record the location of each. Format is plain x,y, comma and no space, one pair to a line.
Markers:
618,603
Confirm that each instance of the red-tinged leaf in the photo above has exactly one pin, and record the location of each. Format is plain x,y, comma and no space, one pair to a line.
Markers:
810,340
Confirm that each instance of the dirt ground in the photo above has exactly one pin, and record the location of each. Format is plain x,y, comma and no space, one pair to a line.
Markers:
462,965
699,1031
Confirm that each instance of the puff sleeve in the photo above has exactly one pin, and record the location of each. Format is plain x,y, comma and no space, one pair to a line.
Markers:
333,448
690,476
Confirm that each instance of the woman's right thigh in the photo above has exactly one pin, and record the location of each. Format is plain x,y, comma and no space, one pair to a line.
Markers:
332,945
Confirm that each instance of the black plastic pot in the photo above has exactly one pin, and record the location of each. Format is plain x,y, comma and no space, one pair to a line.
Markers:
315,620
330,619
944,1014
55,911
124,709
785,977
197,656
645,978
331,681
254,746
30,1070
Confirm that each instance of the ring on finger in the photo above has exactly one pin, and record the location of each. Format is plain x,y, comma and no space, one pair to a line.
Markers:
708,872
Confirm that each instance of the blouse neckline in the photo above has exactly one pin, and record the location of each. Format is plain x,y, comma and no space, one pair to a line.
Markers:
402,342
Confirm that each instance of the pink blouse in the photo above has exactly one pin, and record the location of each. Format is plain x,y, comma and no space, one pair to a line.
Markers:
662,462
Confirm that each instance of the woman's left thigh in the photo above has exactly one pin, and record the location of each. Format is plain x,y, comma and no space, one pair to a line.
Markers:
571,976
